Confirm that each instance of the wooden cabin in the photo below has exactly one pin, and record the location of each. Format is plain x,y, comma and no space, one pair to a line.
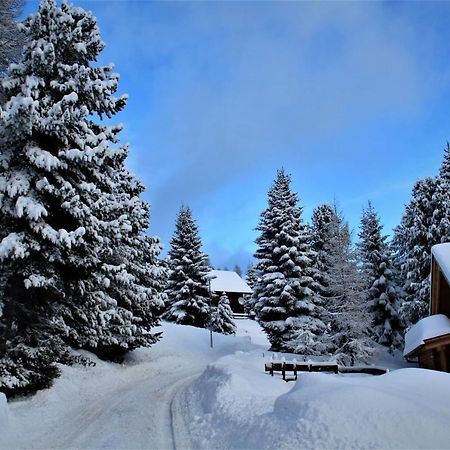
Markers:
428,340
233,285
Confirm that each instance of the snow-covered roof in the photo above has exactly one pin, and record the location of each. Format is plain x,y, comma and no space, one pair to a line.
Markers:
441,253
228,281
427,328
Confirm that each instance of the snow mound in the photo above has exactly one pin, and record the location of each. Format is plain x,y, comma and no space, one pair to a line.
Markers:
234,404
227,398
427,328
408,408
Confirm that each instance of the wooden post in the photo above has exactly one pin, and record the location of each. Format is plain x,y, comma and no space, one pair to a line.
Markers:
442,359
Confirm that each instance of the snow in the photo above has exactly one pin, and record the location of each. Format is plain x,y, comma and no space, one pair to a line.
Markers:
13,245
3,409
427,328
228,281
441,253
181,393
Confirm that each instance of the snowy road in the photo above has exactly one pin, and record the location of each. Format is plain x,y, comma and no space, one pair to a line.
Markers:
115,406
137,416
111,406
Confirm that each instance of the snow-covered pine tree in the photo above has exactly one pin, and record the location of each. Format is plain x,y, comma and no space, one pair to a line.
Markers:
71,213
412,243
381,294
251,277
222,318
187,288
11,40
441,215
347,331
324,225
425,222
284,297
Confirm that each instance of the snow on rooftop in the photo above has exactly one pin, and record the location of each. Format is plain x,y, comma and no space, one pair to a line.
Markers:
441,253
228,281
427,328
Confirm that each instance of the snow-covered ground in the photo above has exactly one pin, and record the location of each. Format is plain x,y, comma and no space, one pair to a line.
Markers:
181,393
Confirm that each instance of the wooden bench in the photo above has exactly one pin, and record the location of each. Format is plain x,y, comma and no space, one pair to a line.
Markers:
295,367
284,367
289,367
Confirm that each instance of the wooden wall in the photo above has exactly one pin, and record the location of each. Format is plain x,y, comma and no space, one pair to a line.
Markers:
440,291
436,359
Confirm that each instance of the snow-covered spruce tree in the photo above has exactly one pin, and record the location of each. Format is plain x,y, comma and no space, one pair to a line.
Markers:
412,243
11,39
222,318
425,222
285,302
381,294
441,215
349,321
324,225
71,215
251,277
187,288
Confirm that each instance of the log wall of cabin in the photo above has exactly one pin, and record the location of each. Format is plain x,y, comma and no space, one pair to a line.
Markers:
435,358
440,291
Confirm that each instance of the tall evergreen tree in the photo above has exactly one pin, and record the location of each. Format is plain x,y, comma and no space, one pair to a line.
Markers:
285,301
187,288
412,243
11,39
425,222
441,214
71,215
251,278
324,228
222,318
381,294
347,333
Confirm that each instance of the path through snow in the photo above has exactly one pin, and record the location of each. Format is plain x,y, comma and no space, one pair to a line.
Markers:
118,406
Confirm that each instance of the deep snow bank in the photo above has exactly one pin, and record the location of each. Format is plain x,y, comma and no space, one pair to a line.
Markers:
235,405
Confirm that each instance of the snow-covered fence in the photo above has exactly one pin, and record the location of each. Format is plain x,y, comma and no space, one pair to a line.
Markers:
295,367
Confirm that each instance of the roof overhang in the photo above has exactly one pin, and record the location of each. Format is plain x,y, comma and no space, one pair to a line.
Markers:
429,332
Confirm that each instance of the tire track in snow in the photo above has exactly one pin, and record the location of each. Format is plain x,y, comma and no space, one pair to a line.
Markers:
179,430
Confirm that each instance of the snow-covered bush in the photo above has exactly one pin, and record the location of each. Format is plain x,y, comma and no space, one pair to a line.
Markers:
222,317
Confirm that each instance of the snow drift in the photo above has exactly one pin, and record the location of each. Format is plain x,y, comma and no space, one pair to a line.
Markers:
234,406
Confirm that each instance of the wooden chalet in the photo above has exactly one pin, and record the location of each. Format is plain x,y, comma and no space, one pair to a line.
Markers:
428,341
233,285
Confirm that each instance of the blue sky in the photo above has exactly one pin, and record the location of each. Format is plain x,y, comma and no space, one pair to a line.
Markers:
352,98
